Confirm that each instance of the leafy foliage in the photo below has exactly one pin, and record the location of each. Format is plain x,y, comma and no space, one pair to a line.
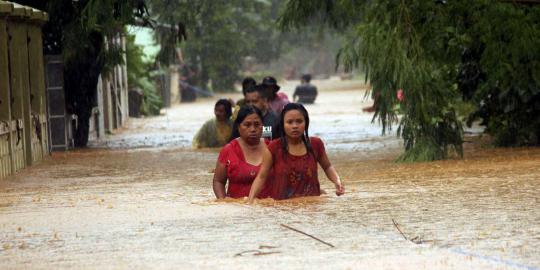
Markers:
152,102
501,73
435,51
221,34
389,40
78,30
139,75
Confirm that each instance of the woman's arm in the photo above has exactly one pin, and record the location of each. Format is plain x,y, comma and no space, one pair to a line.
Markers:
331,173
295,94
258,183
220,178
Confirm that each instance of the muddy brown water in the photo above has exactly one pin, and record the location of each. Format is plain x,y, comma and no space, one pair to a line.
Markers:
143,199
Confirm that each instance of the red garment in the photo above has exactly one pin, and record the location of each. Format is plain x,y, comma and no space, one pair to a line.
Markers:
282,95
239,173
295,176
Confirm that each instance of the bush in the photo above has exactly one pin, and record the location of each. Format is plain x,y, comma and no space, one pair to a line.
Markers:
139,76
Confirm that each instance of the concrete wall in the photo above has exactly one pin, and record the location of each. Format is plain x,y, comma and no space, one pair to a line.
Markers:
112,111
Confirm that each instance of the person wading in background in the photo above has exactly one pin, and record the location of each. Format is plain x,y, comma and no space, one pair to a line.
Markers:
276,99
255,96
247,83
216,132
306,92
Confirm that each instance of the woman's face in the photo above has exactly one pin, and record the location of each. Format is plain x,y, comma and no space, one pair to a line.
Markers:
251,129
220,113
294,124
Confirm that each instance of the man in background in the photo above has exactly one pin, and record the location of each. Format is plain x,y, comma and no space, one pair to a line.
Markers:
247,83
276,100
255,96
305,92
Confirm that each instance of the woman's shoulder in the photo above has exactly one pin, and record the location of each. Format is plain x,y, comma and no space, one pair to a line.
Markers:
315,140
231,145
318,145
229,150
211,121
275,143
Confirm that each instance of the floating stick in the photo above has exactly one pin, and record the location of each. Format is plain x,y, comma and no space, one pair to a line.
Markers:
417,240
255,252
397,227
307,234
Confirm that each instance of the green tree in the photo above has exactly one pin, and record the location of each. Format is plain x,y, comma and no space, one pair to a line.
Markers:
422,48
217,37
139,75
77,30
220,34
500,71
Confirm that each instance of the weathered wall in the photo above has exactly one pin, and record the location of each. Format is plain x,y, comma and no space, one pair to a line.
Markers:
23,125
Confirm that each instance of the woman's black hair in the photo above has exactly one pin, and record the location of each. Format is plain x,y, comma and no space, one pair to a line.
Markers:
226,104
283,136
242,114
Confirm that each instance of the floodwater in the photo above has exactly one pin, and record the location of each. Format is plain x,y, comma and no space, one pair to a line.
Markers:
143,199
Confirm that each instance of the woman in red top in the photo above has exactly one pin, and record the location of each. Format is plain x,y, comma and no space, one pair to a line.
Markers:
293,160
240,160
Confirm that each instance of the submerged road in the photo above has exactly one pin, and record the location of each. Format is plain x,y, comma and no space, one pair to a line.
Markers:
143,199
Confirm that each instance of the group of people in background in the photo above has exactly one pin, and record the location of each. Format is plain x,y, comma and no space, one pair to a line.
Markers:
269,153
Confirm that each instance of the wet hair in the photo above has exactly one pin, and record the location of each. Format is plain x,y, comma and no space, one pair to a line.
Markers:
244,112
283,137
257,88
247,83
306,77
226,104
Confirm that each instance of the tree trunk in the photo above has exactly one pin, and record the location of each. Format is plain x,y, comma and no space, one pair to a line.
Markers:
81,78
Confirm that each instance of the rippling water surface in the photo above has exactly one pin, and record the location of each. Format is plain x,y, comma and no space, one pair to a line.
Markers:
145,201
